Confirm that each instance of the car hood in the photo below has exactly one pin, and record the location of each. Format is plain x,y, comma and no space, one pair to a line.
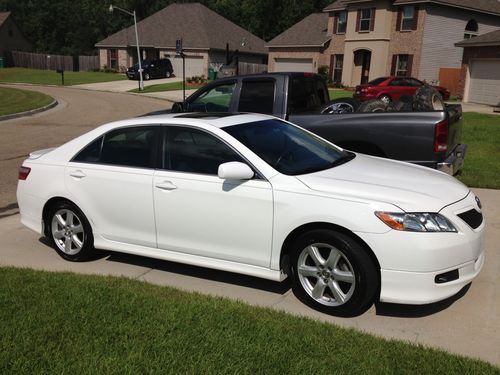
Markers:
411,187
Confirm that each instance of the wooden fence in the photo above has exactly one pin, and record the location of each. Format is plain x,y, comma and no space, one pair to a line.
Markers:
450,78
248,68
53,62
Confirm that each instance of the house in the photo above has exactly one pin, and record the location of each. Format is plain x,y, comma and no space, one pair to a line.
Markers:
366,39
11,38
480,79
204,35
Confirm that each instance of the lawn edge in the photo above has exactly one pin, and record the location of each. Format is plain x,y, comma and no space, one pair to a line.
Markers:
30,112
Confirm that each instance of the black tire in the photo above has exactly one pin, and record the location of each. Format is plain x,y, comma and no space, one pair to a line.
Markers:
340,105
404,104
340,256
75,231
147,77
167,74
427,98
373,105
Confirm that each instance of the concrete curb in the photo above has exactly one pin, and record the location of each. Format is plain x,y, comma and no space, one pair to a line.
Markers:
31,112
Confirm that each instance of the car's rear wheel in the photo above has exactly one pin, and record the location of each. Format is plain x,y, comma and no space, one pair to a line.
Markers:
70,232
332,273
167,74
340,105
147,77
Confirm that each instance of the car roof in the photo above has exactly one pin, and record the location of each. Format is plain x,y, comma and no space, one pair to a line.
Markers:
218,120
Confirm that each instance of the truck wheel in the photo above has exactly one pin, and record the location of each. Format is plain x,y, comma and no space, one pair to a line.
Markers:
427,98
385,98
333,273
404,104
339,106
373,105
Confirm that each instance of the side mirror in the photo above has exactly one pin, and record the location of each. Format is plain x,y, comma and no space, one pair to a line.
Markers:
177,108
235,170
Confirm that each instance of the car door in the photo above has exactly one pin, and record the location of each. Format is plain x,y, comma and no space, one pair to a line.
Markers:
198,213
111,181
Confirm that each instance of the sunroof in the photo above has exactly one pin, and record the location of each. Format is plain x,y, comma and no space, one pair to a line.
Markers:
208,115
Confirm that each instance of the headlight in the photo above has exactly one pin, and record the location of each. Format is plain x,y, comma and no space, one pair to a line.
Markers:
416,221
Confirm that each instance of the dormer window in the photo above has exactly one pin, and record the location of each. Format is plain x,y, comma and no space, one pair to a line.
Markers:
366,20
471,29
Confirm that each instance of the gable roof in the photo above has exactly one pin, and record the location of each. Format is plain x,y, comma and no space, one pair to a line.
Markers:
483,6
489,39
198,26
3,17
310,32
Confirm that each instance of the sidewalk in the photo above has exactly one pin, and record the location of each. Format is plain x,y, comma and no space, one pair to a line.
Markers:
480,108
125,85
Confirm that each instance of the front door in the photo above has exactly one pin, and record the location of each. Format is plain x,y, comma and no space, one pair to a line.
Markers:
198,213
361,69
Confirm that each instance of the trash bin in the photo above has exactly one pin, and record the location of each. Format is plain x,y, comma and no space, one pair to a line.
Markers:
212,74
1,63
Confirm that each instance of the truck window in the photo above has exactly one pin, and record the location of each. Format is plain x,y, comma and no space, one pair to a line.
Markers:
216,99
257,96
307,94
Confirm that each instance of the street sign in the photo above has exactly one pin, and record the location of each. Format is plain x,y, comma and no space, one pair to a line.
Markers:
178,46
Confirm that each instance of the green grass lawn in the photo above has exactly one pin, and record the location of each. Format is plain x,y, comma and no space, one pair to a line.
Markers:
335,93
15,100
50,77
481,132
171,86
67,323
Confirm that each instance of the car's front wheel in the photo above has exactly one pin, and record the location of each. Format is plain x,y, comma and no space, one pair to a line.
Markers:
167,74
70,232
332,273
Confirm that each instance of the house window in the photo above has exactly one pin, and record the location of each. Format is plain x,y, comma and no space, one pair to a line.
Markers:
112,58
407,17
402,66
342,22
338,65
365,19
471,29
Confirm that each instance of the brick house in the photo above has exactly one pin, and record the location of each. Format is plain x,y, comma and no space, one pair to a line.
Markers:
366,39
480,78
204,35
11,38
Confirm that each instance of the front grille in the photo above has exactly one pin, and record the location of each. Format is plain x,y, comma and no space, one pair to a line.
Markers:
472,217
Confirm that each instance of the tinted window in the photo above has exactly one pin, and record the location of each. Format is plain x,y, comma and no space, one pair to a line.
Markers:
377,81
414,82
194,151
132,147
307,94
216,99
398,82
287,148
257,96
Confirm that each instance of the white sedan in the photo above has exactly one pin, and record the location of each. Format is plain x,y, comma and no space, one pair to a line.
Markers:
259,196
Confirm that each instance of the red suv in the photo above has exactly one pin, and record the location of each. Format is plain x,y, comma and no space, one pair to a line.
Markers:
390,89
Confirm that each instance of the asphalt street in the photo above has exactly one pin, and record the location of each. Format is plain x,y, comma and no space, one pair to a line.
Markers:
467,324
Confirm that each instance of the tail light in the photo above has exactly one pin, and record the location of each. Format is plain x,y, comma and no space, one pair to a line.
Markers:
441,136
24,172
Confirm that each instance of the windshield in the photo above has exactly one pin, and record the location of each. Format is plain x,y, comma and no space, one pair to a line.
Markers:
287,148
377,81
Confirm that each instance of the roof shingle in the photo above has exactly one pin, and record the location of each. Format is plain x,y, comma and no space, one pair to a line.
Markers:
198,26
489,39
311,31
3,17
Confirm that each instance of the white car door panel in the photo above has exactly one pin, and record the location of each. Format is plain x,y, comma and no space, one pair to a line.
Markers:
204,215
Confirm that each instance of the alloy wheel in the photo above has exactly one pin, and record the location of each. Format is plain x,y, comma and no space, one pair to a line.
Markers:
67,231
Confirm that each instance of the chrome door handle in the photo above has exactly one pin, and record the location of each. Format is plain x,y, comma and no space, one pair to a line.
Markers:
77,174
166,185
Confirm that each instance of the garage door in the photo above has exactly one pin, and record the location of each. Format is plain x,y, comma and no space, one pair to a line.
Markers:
194,66
293,65
485,82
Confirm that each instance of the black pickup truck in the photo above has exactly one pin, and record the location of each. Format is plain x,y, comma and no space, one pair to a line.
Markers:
427,138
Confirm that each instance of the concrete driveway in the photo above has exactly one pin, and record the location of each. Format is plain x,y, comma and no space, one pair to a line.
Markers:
125,85
467,324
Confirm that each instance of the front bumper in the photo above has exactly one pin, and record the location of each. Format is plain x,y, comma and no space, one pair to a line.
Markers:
454,162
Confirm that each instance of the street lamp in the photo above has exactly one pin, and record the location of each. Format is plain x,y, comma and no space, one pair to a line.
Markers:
111,9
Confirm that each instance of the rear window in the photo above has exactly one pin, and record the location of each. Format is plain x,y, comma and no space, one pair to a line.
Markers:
307,94
377,81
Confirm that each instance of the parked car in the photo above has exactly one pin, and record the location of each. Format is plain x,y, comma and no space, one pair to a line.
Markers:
430,138
389,89
152,68
257,195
